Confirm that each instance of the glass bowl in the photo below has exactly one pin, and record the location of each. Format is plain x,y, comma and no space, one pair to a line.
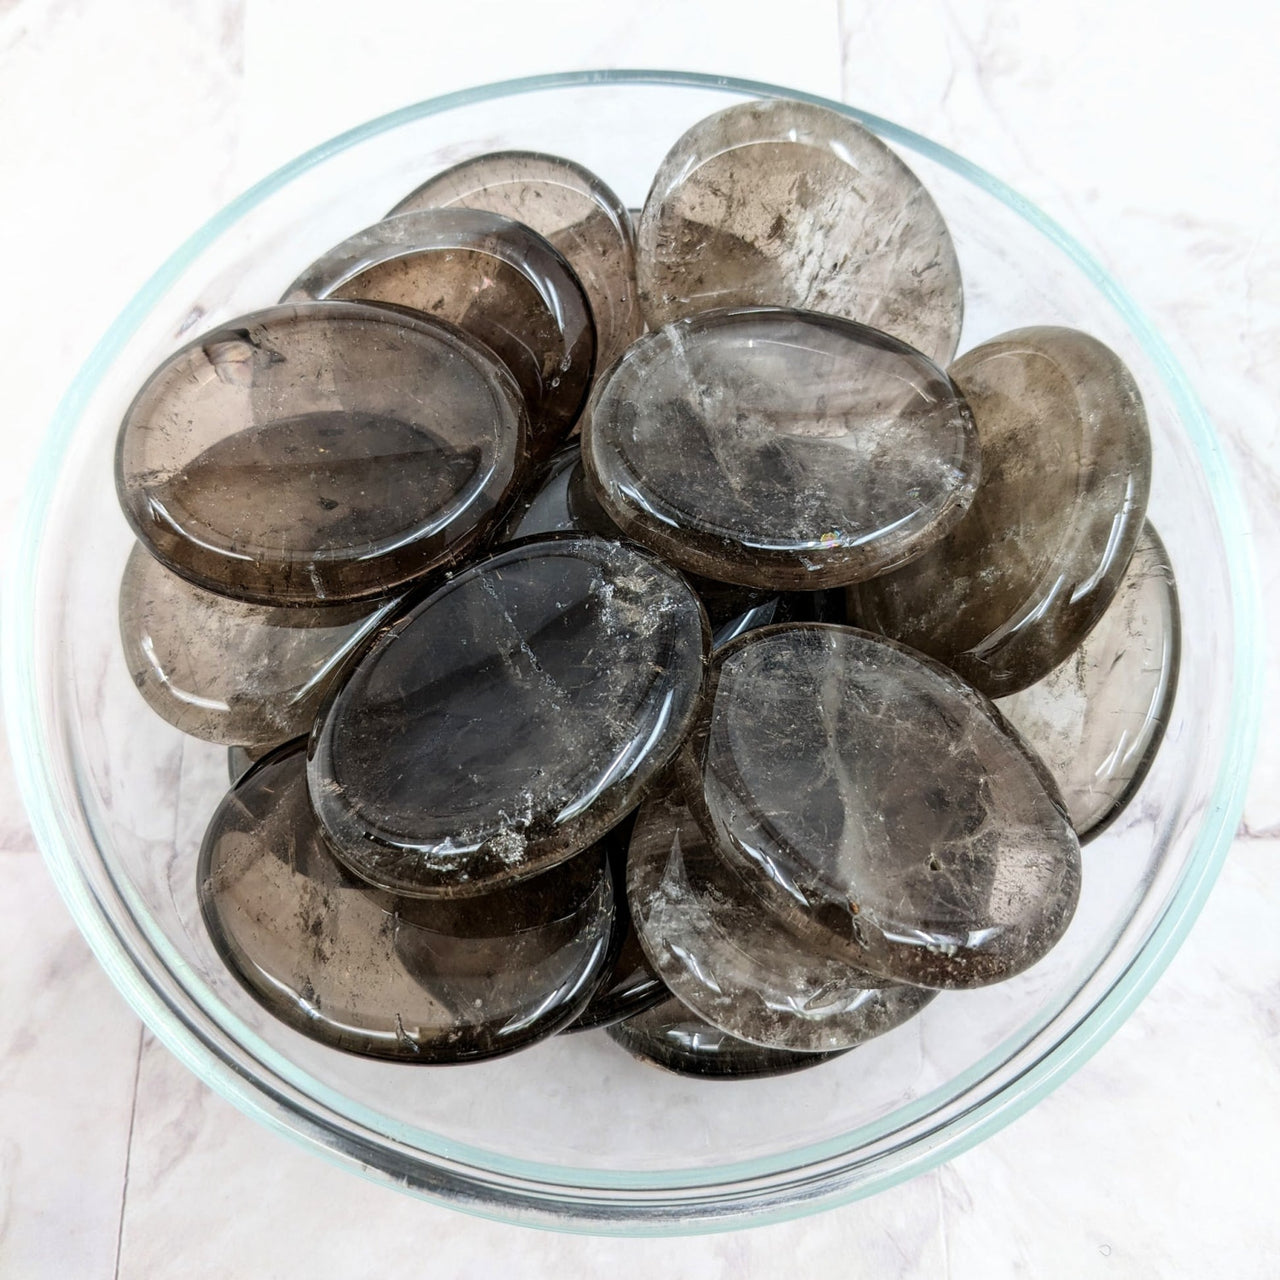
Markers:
574,1133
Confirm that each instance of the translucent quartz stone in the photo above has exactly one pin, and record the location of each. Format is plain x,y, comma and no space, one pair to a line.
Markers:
494,278
573,210
226,670
676,1039
1098,718
786,204
732,963
239,761
321,452
882,808
365,971
780,449
510,718
1066,467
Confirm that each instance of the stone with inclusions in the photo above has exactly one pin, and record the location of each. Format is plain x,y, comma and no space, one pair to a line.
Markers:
735,965
510,718
1098,718
362,970
788,204
780,449
572,209
226,670
321,452
495,279
1066,468
882,807
675,1038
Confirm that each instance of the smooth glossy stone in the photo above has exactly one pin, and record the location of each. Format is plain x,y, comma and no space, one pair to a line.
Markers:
365,971
780,449
883,808
735,965
572,209
786,204
630,986
674,1038
1097,719
240,760
510,718
321,452
226,670
495,279
1066,467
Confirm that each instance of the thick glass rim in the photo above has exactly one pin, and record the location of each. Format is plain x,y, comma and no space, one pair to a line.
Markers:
771,1188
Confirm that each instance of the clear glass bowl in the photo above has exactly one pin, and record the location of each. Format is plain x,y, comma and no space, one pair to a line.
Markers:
574,1133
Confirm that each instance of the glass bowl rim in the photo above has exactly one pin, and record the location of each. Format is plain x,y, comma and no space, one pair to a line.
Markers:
523,1191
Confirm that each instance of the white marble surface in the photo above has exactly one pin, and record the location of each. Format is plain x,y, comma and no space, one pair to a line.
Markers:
1151,130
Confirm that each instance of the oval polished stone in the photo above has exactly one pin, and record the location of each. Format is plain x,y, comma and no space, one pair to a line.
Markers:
365,971
509,719
321,452
226,670
780,449
495,279
676,1039
883,808
1066,469
787,204
735,965
573,210
1097,719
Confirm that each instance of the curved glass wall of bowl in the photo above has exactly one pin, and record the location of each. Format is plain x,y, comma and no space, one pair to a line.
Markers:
120,800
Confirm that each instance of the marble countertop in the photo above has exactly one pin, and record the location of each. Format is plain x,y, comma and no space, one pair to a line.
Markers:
1151,131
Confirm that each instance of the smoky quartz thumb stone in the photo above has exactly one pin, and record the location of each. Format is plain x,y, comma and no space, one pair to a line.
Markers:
511,718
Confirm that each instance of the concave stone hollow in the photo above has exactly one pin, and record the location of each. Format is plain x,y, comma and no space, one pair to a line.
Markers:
495,279
573,210
673,1037
321,452
362,970
780,449
229,671
733,964
509,719
794,205
882,807
1097,719
1066,468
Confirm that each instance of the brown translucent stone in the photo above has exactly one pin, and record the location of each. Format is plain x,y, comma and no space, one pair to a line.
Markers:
321,452
883,808
510,718
365,971
1098,718
494,278
675,1038
230,671
735,965
787,204
780,449
1066,468
240,760
573,210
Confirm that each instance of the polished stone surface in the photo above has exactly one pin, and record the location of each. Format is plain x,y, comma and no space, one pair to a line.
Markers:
673,1037
320,452
780,449
573,210
882,808
788,204
735,965
511,718
495,279
365,971
240,760
1066,468
1097,719
226,670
